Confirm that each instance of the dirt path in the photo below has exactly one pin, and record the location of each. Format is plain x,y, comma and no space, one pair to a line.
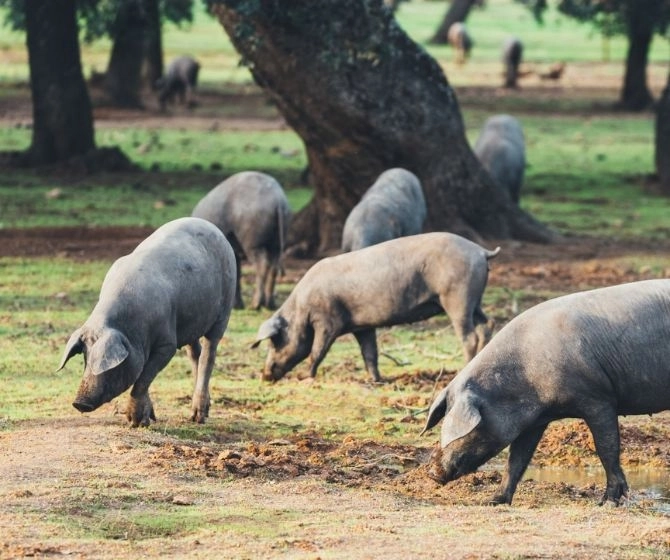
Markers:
64,465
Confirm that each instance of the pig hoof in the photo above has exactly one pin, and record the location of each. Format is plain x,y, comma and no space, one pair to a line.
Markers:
199,416
499,499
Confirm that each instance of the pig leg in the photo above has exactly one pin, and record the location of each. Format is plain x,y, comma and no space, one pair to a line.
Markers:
604,425
520,452
462,319
239,304
200,401
323,340
483,328
193,351
367,340
140,411
262,272
269,285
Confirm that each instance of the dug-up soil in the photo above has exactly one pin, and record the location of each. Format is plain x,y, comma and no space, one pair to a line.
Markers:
310,497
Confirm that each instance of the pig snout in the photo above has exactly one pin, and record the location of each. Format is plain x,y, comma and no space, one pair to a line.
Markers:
84,406
441,469
89,396
96,390
273,372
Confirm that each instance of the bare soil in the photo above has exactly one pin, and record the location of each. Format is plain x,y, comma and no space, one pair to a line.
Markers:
308,496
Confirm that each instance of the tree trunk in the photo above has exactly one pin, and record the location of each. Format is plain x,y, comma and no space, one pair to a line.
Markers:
62,115
458,11
123,78
642,15
663,140
364,98
153,62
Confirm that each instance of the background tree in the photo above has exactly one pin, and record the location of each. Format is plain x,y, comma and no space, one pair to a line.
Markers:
364,97
458,11
62,128
135,27
62,115
640,19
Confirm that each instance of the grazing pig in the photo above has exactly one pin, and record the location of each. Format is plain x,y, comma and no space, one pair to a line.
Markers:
591,355
460,40
392,207
501,150
181,79
251,209
176,288
512,52
399,281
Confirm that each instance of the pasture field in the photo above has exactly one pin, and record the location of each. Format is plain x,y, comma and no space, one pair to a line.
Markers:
335,468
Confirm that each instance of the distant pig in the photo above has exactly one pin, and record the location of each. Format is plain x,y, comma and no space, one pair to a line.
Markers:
399,281
501,150
175,289
251,209
460,40
392,207
181,80
511,54
591,355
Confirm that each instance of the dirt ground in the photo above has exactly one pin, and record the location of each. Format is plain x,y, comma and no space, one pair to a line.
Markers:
309,497
316,498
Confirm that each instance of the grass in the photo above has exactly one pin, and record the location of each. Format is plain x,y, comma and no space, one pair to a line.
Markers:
585,175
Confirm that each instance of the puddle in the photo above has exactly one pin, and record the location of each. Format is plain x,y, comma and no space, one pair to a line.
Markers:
647,484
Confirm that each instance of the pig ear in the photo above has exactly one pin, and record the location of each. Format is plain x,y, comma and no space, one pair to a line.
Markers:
269,328
437,410
73,346
461,419
108,351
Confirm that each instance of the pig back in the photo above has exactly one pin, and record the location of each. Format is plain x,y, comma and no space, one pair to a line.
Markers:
609,343
394,206
501,149
250,205
394,282
177,283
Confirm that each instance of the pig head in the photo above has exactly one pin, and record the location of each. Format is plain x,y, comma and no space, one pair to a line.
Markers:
290,343
111,365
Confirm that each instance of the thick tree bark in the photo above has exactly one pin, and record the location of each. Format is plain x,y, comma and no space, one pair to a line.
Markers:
153,62
363,97
663,141
123,78
62,115
458,11
642,16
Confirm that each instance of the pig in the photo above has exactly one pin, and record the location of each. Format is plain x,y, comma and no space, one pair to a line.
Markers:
251,209
399,281
175,289
460,40
501,150
512,51
592,355
181,79
392,207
